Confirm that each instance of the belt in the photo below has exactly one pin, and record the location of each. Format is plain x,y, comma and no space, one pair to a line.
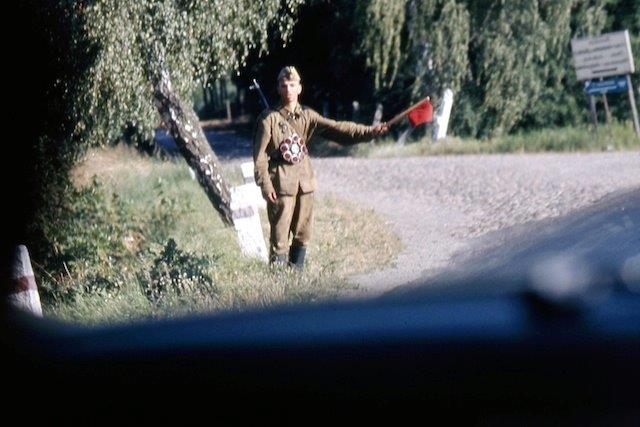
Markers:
275,157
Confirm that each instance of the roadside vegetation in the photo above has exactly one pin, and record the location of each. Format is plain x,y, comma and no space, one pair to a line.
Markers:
141,240
618,136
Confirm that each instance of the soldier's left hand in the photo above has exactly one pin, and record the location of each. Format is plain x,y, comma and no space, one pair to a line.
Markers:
380,129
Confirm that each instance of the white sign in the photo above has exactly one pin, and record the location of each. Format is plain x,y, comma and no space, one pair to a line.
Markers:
602,56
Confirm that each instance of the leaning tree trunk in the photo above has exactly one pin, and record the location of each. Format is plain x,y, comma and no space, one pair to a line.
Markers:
185,128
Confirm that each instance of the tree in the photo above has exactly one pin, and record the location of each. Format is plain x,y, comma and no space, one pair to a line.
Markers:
150,55
380,24
89,76
507,61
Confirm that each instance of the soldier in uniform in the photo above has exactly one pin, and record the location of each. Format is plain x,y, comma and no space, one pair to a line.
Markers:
283,170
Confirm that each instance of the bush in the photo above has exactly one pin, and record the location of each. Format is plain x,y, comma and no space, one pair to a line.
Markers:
177,272
99,238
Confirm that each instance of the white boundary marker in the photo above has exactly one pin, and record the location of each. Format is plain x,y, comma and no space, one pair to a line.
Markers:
247,175
24,291
245,200
441,121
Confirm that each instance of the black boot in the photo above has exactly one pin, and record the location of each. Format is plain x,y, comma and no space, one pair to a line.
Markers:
296,256
278,260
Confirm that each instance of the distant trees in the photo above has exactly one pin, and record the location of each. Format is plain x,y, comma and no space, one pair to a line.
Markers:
502,58
508,62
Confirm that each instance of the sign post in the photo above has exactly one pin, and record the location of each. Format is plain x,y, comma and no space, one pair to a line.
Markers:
632,101
594,113
607,113
605,56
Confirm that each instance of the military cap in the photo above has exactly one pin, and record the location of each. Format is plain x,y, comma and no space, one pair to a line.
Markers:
289,73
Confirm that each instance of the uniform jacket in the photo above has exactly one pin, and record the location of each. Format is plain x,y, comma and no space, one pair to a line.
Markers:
272,173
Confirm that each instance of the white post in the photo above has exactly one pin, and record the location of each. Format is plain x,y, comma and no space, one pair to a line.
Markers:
403,137
247,172
377,118
247,176
441,121
634,110
355,111
24,291
228,105
245,200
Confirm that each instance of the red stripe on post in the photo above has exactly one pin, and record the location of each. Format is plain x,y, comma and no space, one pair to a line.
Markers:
22,284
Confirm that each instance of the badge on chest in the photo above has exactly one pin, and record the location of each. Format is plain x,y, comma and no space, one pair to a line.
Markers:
293,149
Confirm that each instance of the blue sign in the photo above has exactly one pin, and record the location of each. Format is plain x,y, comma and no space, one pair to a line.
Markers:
615,85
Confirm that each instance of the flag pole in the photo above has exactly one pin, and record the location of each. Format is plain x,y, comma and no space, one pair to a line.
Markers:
401,115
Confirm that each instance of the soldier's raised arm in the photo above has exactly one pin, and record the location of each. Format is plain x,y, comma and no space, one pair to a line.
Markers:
343,132
261,139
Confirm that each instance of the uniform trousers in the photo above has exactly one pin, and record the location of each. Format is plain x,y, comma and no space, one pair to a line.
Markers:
290,215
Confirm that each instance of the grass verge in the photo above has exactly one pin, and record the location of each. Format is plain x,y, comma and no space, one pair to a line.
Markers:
147,244
618,136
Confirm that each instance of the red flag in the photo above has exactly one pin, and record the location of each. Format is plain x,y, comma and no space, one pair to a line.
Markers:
423,113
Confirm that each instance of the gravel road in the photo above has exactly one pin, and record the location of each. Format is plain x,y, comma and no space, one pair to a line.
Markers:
440,206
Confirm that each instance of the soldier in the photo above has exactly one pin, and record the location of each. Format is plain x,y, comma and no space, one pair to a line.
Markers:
283,170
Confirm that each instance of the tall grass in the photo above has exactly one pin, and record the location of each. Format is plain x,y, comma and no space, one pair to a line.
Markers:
617,136
175,256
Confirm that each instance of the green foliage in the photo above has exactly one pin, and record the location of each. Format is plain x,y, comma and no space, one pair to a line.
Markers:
439,44
97,236
508,62
50,164
163,218
178,272
200,41
381,22
580,138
